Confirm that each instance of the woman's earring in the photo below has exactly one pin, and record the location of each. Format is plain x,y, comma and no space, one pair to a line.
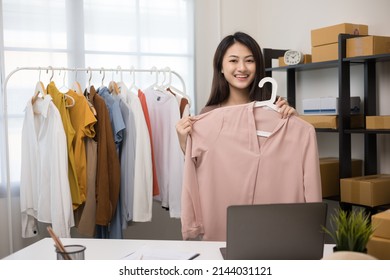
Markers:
222,71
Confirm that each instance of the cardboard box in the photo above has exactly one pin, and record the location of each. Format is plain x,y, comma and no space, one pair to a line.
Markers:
379,248
330,179
325,52
373,190
331,121
381,224
306,59
329,34
377,122
328,105
368,45
321,121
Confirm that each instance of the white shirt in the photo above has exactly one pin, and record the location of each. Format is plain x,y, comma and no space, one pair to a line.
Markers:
44,184
164,114
143,172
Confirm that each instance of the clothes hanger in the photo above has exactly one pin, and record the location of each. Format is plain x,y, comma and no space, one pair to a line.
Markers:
156,85
87,92
113,86
89,71
270,102
132,85
267,103
172,88
73,102
104,75
76,85
65,88
39,89
52,72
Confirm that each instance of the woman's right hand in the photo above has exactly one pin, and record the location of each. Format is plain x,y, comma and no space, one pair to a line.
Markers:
183,128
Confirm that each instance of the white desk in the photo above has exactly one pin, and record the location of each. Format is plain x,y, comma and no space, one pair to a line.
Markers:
116,249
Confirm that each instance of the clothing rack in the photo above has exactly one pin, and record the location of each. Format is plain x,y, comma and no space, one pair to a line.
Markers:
89,70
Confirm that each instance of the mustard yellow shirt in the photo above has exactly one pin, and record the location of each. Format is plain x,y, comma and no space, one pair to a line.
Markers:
83,121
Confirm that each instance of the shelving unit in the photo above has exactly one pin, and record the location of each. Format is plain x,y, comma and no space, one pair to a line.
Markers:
344,131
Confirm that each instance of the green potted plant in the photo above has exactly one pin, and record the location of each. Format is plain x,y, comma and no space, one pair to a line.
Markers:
352,230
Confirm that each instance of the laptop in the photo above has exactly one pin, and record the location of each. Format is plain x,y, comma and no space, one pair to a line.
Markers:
290,231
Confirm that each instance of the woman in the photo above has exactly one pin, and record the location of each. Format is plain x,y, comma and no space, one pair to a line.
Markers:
238,68
235,153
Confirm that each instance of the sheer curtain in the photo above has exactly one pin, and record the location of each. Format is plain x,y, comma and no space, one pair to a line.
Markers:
94,33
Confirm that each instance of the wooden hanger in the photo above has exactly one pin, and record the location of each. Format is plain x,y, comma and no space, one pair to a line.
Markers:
39,90
68,105
113,88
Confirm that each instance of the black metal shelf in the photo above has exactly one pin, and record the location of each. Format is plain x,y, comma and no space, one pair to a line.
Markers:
368,131
327,130
331,63
363,59
344,132
355,131
306,66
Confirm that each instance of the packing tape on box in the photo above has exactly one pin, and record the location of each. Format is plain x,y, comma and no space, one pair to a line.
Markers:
355,192
359,46
356,29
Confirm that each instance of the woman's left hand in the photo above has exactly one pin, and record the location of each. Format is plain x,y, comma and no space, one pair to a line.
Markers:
285,109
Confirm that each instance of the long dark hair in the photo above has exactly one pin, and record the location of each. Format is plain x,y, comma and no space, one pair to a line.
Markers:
220,87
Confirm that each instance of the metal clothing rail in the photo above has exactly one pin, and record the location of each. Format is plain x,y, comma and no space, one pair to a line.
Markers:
50,68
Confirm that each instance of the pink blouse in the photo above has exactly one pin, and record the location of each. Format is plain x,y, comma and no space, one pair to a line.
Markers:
227,163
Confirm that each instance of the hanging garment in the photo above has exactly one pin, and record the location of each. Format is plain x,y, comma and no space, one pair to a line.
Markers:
108,166
127,162
143,173
60,101
116,118
142,99
118,129
118,223
164,115
83,121
227,163
184,105
86,225
44,184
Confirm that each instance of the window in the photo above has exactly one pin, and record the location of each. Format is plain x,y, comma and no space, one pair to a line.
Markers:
89,33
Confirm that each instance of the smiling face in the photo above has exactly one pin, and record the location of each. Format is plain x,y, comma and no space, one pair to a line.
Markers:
239,69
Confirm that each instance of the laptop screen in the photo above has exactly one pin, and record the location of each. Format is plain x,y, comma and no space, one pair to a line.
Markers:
276,231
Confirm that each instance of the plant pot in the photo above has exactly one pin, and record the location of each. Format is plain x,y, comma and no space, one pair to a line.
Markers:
336,250
348,255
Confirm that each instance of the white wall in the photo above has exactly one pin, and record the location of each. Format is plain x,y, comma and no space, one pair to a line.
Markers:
214,20
207,36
